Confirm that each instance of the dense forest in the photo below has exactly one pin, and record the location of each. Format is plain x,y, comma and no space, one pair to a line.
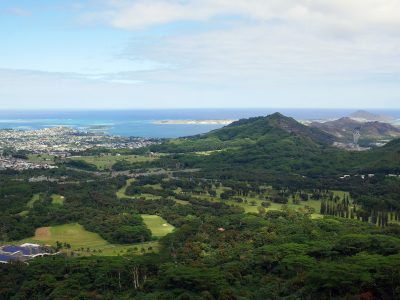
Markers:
281,255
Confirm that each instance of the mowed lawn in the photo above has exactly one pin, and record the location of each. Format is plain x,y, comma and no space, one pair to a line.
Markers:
158,226
75,235
249,208
57,199
107,161
316,204
121,193
35,198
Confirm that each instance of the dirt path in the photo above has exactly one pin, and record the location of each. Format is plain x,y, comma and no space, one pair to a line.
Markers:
43,233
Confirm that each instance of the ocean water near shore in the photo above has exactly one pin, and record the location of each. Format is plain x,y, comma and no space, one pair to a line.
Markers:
157,123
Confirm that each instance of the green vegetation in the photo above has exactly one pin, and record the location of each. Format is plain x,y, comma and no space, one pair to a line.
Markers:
75,240
158,226
267,214
246,132
106,162
121,193
92,204
57,199
279,146
284,255
73,234
41,158
35,198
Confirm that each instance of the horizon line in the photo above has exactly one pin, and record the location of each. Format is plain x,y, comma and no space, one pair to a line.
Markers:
188,108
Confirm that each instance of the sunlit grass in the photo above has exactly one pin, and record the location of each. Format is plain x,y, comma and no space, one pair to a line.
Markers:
107,161
84,242
158,226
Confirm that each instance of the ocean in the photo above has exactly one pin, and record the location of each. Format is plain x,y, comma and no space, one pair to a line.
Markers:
143,123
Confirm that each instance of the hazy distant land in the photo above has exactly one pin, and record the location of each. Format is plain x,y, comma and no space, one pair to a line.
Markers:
195,122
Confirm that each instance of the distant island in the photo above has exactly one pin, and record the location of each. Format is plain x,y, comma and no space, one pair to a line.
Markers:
195,122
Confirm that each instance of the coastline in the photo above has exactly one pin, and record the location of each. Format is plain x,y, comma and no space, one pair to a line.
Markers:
194,122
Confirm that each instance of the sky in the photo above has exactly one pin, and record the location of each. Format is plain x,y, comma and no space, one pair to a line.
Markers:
105,54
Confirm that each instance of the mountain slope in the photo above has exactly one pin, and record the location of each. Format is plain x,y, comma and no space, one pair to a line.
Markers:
384,159
295,155
247,132
370,131
276,123
365,116
277,145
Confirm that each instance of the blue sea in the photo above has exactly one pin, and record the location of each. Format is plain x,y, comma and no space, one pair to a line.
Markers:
143,123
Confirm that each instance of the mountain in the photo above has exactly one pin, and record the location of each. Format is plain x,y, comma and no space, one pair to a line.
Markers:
247,132
276,144
365,116
256,128
343,129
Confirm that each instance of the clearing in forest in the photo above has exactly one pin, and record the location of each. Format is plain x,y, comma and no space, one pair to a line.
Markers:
84,242
106,162
121,193
73,234
157,225
57,199
35,197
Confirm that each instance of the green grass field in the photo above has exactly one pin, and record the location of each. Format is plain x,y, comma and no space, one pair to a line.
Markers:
121,193
57,199
29,205
75,235
158,226
252,204
248,207
35,198
106,162
182,202
315,204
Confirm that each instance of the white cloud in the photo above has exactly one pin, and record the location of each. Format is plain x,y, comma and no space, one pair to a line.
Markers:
258,54
349,15
273,53
287,39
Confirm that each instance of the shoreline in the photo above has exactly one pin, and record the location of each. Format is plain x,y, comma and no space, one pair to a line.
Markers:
195,122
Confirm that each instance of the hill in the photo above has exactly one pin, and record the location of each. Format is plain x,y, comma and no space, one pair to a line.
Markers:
365,116
343,129
384,159
256,128
246,132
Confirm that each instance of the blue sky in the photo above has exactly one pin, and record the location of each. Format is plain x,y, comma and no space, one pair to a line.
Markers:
199,53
